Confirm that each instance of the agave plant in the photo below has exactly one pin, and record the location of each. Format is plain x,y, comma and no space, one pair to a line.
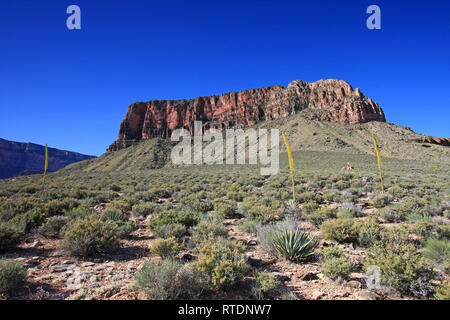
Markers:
295,245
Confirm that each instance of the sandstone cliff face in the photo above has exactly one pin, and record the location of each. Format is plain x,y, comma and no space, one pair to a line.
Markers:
329,100
17,158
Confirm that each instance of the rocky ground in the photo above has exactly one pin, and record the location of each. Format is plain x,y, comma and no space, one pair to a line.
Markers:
54,275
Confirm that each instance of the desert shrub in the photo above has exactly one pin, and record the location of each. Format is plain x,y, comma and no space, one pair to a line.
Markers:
166,248
79,212
124,225
156,193
423,228
265,283
222,261
91,236
442,292
341,230
169,230
170,280
187,219
29,220
208,230
224,210
295,245
235,195
382,200
261,213
331,195
391,214
53,226
9,236
368,231
437,250
121,205
321,215
200,206
249,226
54,207
310,207
345,214
334,263
399,261
349,210
115,188
13,276
145,209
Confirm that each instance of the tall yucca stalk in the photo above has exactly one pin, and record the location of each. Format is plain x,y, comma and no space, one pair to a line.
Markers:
377,149
291,163
45,164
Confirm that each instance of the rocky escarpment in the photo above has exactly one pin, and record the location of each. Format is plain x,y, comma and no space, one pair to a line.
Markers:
17,158
328,100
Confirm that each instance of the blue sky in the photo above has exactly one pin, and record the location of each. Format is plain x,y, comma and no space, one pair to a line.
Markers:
71,88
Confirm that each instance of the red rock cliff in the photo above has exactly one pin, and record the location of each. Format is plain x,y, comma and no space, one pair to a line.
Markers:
331,100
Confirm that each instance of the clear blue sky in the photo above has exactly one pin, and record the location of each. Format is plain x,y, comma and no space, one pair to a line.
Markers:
71,89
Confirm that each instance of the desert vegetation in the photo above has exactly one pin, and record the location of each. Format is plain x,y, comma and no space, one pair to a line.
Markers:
215,232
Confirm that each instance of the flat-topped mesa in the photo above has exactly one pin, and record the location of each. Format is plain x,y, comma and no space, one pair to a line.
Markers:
330,100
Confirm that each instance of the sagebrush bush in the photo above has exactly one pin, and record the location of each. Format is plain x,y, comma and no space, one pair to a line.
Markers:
208,230
341,230
9,236
321,215
13,276
382,200
169,230
392,214
54,226
170,280
368,231
145,209
166,248
442,292
399,261
187,219
295,245
91,236
224,210
124,225
222,261
337,268
261,213
437,250
265,283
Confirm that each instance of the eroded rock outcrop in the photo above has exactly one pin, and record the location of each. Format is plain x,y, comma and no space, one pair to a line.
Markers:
328,100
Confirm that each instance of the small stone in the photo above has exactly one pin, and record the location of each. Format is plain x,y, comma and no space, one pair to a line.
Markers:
354,284
88,264
35,244
316,295
281,276
308,276
59,268
365,295
252,243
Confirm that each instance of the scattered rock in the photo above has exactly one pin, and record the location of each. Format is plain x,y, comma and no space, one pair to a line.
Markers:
316,295
354,284
281,276
365,295
308,276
